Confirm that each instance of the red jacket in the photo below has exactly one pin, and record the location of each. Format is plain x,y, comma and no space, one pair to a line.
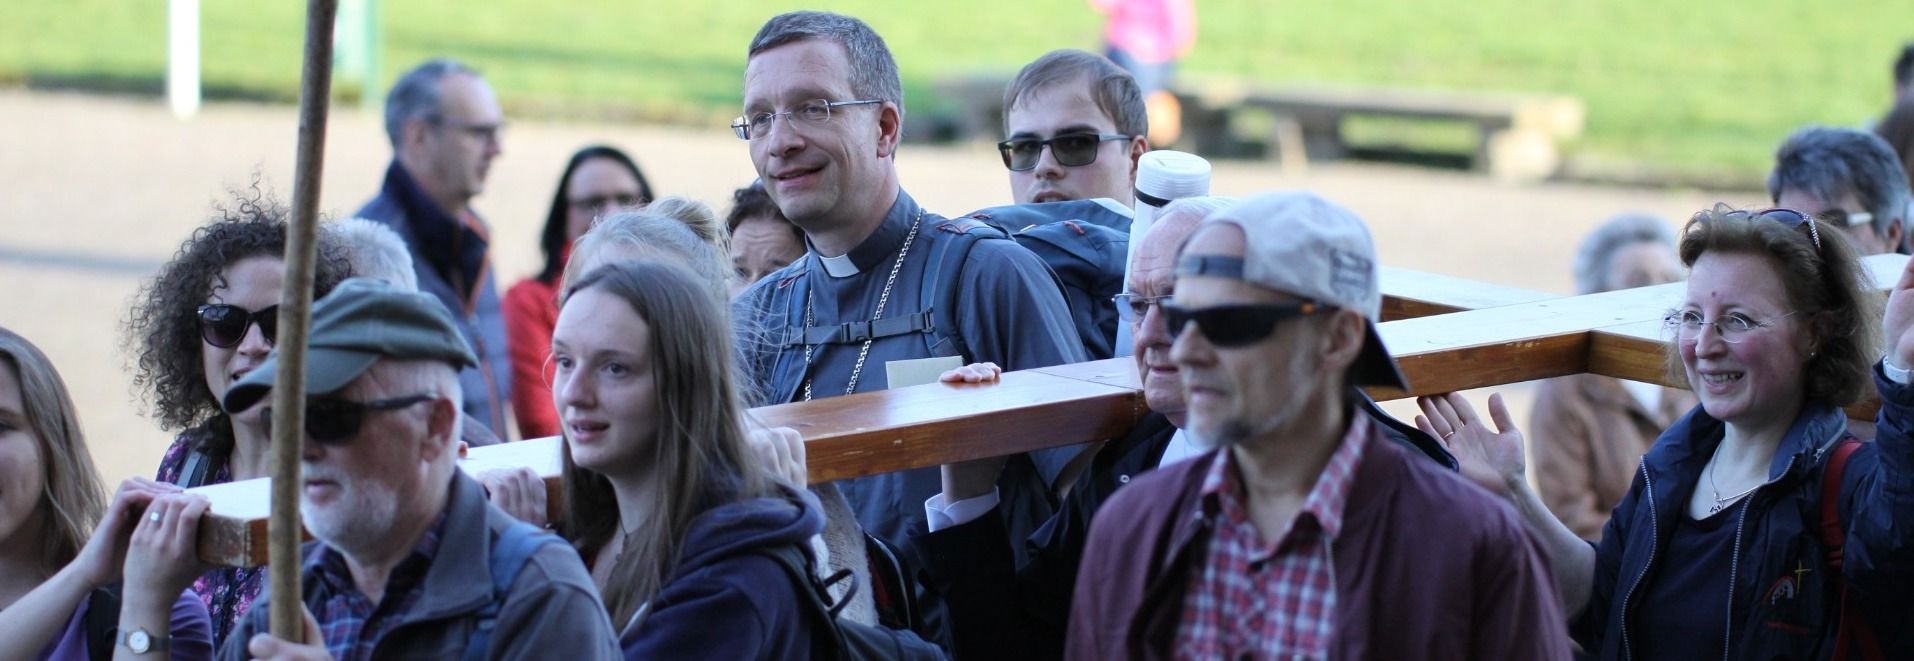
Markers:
1428,566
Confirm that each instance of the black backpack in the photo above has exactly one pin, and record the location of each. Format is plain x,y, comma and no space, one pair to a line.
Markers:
842,639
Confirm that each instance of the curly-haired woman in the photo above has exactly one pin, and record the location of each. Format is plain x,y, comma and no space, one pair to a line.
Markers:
205,320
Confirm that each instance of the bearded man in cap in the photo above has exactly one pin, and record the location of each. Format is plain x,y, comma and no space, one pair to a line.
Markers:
410,559
1300,532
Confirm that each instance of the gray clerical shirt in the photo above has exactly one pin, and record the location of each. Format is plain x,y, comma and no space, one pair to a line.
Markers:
1009,311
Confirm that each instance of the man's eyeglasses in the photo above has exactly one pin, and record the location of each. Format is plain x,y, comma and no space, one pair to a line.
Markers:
1847,218
596,203
1071,150
224,326
481,132
1131,308
758,125
334,421
1237,325
1731,328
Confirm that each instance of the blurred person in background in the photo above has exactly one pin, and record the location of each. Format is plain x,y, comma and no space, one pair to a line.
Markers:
1846,177
1146,38
762,240
1591,430
598,180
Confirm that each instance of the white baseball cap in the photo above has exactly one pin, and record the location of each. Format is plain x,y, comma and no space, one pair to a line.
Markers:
1300,244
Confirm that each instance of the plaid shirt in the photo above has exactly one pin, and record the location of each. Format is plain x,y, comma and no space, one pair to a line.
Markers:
1254,599
352,624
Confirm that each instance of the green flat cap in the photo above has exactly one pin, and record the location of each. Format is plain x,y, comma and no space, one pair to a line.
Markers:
359,322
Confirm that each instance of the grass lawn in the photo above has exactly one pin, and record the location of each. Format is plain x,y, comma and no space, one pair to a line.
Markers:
1703,86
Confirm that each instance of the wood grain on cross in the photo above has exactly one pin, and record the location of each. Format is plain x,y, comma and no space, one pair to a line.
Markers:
1447,334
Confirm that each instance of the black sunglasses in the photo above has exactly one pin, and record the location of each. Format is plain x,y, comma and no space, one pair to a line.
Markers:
333,421
224,326
1071,150
1789,217
1236,325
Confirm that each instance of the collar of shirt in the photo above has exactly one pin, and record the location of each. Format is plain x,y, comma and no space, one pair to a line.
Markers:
1222,491
881,245
331,566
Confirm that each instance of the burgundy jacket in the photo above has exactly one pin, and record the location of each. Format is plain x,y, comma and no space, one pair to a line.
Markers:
1428,566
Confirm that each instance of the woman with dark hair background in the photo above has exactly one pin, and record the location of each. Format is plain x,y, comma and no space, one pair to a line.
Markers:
597,181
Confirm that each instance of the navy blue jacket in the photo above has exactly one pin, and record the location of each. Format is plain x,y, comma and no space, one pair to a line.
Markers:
450,260
1782,604
725,600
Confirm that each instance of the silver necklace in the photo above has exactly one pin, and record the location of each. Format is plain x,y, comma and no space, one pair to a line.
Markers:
1720,500
882,298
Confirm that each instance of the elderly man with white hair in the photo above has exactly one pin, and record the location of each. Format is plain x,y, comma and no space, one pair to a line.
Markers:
410,560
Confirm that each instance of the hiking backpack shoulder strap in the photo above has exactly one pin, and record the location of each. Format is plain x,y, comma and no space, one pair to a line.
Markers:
514,547
939,294
1853,636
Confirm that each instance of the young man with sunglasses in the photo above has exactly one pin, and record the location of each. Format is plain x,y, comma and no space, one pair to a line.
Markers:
1850,179
444,123
884,279
410,559
1075,126
1299,532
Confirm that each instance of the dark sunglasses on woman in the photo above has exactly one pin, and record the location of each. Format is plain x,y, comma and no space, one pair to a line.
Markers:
224,326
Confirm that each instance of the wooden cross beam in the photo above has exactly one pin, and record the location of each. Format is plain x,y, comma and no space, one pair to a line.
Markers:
1501,336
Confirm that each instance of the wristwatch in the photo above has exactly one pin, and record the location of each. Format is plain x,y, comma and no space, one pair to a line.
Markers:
140,641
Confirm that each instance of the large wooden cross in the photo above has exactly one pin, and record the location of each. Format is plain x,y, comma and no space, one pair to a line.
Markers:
1447,334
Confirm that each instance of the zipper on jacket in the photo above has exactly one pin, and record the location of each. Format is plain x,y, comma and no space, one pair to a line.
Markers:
1734,565
1654,522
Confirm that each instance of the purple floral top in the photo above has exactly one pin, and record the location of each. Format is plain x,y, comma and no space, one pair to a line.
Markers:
227,591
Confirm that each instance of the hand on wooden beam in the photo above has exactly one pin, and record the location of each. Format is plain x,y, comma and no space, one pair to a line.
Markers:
972,373
1492,459
99,562
1900,320
782,451
519,491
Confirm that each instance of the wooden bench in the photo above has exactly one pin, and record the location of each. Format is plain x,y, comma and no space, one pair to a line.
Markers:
1518,134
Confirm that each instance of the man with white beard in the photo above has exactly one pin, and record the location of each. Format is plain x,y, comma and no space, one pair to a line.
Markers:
410,559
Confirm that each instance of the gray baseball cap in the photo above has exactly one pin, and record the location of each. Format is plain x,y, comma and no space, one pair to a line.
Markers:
361,321
1298,243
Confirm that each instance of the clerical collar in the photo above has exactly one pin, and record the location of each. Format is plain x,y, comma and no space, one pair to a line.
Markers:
881,245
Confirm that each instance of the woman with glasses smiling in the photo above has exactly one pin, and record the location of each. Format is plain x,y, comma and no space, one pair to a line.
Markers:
208,318
597,181
1757,526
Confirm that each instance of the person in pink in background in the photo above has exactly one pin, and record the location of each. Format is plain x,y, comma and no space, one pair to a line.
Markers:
1146,38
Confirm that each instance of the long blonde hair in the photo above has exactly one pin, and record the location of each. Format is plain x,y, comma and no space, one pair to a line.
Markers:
700,458
73,500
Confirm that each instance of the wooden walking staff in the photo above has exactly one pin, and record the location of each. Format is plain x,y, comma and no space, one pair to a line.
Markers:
295,319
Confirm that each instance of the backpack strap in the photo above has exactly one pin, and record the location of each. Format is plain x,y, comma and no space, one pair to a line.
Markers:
939,292
1853,636
198,467
102,622
811,594
787,361
514,547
